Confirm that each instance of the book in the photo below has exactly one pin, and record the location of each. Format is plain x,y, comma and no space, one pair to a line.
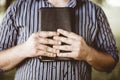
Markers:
51,19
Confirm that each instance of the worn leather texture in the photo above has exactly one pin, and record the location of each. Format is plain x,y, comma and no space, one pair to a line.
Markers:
52,19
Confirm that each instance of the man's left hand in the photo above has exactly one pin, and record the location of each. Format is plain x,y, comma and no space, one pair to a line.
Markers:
76,46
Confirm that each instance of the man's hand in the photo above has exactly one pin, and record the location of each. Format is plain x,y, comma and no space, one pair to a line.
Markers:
36,45
33,47
101,61
76,45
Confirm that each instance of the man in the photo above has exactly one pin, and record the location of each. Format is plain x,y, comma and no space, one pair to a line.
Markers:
21,43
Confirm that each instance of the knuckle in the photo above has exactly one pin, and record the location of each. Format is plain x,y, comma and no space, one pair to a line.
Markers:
47,41
44,53
35,41
35,51
66,39
34,34
41,40
66,47
35,45
46,48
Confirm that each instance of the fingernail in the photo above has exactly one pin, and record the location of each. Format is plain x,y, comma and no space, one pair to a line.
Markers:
59,42
53,46
54,37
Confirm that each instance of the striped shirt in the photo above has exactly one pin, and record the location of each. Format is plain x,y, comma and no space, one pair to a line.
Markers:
21,20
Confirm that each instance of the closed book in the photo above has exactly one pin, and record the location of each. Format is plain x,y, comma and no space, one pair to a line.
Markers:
55,18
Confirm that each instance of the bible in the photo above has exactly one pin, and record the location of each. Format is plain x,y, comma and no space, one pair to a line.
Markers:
51,19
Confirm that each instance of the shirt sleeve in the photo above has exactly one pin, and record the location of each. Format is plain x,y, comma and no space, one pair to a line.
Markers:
8,30
104,39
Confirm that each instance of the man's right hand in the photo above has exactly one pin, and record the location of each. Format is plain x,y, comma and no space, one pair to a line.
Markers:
36,45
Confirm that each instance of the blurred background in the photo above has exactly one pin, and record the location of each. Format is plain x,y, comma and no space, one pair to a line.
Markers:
112,10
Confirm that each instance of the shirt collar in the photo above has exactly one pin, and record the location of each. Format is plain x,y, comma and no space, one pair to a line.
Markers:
71,3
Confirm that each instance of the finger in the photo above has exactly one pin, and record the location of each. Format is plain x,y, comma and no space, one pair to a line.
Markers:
48,49
44,53
48,34
67,55
68,34
63,39
49,41
63,47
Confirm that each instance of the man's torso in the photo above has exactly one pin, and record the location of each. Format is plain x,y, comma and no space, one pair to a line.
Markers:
27,22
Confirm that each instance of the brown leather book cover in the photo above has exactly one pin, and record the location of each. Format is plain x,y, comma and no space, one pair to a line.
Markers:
54,18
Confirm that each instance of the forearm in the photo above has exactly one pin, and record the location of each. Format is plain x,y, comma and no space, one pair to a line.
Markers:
101,61
11,57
